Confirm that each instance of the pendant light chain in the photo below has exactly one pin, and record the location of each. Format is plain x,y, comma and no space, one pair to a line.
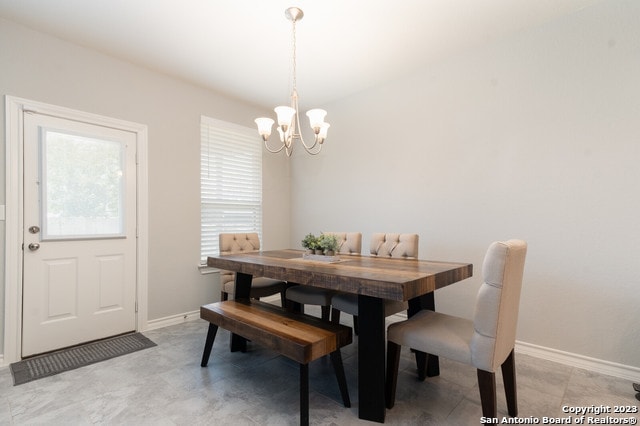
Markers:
295,83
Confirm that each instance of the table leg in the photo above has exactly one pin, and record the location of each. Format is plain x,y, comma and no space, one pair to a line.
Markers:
371,359
242,291
428,365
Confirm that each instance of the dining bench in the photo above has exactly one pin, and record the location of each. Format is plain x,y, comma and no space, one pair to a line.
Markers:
297,336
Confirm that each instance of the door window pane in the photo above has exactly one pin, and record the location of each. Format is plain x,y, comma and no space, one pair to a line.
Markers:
82,186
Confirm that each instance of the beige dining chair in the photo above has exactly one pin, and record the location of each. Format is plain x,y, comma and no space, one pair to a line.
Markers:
260,287
486,342
402,246
349,243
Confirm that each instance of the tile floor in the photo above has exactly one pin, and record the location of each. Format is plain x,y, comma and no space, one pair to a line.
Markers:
165,385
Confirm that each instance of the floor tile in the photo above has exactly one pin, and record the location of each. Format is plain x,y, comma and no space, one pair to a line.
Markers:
165,385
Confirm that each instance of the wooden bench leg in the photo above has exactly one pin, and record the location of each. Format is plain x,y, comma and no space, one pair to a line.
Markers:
237,343
304,394
336,359
208,344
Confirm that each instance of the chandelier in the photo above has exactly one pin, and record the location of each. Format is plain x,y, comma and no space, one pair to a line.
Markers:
288,117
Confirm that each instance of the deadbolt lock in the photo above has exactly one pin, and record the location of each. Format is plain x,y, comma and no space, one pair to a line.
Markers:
34,229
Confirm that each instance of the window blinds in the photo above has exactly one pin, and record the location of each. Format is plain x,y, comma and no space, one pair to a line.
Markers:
230,182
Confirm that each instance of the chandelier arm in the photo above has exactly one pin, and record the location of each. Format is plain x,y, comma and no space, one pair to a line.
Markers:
311,151
273,151
309,147
297,127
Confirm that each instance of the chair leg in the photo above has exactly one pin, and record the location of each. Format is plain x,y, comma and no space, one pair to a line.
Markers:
487,386
335,316
326,312
509,379
428,365
295,307
224,296
355,324
393,362
433,365
336,359
283,299
421,364
304,394
208,344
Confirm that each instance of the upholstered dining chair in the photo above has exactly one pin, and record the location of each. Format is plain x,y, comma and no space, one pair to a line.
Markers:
260,286
403,246
486,342
348,243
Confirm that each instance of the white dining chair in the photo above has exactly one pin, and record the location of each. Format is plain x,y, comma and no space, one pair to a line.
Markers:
230,243
349,243
485,342
401,246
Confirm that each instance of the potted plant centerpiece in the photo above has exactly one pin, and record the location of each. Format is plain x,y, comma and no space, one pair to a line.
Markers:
328,244
311,243
322,248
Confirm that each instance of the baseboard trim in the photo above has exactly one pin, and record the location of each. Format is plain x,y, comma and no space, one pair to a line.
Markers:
580,361
173,320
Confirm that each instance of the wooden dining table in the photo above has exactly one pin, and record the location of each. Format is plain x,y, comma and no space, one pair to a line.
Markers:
373,279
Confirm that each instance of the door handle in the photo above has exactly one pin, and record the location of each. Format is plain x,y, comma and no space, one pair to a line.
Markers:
34,246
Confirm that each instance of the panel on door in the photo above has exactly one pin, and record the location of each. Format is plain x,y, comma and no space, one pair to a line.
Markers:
79,276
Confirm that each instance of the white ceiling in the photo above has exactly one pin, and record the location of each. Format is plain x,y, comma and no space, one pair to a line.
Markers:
243,47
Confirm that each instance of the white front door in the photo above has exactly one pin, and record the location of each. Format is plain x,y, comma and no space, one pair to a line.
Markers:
79,254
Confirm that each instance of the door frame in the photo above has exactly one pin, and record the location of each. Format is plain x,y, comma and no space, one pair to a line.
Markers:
15,108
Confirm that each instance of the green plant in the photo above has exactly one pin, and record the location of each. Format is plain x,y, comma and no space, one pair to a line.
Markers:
310,242
328,243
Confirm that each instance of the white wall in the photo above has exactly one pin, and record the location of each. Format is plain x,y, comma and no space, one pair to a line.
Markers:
42,68
536,137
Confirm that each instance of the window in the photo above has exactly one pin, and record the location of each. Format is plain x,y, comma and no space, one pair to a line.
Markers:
230,182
